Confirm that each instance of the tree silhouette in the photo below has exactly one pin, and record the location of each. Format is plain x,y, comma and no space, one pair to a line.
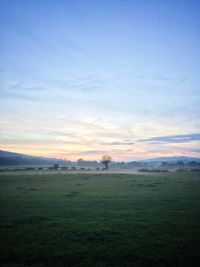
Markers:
106,160
56,166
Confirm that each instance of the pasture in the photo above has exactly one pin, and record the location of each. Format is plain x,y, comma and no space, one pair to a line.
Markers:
99,219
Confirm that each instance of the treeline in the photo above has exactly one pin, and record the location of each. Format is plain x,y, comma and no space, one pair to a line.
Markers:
180,165
81,164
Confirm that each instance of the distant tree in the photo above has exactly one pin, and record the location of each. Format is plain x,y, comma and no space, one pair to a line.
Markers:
193,164
121,165
73,168
180,164
80,162
56,166
106,160
164,164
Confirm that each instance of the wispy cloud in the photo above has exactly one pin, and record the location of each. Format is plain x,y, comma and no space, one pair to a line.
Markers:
117,143
196,150
93,152
172,139
83,83
160,77
18,95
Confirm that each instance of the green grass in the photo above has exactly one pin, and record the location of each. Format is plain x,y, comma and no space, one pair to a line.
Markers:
100,220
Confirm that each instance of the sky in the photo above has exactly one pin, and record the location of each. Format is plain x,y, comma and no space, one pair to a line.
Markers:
80,79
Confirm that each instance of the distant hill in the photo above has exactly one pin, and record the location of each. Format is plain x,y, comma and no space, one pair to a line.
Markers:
171,159
16,159
7,154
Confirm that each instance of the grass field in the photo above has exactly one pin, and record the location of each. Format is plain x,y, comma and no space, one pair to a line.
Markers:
104,220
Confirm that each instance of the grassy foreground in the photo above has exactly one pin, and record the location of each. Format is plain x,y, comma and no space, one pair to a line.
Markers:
100,220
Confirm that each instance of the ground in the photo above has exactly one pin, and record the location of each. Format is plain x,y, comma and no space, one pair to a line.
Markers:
99,219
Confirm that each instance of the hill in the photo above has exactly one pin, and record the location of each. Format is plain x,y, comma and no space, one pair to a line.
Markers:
17,159
171,159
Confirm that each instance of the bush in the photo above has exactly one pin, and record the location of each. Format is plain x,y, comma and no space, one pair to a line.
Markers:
195,170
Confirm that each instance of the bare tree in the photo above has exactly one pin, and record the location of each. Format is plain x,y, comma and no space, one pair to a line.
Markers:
106,160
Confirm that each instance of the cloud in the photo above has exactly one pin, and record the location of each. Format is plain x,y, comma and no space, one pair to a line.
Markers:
118,143
172,139
160,77
196,150
92,152
87,83
18,95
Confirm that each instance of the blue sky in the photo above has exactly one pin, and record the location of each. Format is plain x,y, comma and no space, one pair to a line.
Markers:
85,78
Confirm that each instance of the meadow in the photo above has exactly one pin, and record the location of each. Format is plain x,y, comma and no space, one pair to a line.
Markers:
99,219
